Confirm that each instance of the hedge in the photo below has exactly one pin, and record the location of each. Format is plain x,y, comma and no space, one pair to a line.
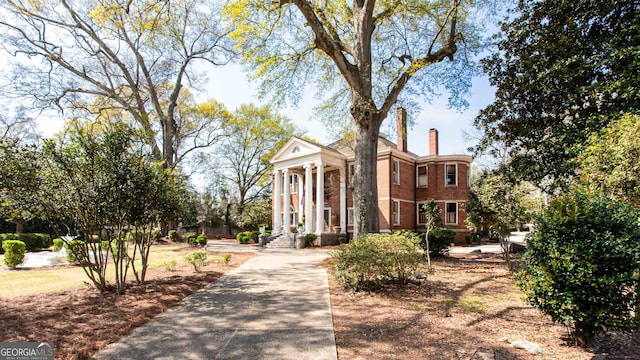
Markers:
32,241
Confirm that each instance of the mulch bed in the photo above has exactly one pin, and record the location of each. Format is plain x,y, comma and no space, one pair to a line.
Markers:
82,321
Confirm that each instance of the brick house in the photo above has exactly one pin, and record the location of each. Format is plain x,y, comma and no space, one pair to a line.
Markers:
315,181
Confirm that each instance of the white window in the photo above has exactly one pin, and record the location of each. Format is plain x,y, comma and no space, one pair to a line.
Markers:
350,216
396,172
451,174
396,213
421,176
293,184
421,218
352,174
451,215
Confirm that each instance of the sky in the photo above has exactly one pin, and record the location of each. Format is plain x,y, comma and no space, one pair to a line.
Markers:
230,86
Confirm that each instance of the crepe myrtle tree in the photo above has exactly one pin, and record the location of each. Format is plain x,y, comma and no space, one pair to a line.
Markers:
366,55
101,182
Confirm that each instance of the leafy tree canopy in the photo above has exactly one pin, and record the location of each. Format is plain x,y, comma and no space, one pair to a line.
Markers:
363,57
564,70
609,160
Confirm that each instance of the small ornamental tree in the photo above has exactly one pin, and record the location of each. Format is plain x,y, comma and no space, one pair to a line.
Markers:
433,221
582,264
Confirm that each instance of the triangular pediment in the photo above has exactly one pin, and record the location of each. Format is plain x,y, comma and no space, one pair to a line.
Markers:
295,148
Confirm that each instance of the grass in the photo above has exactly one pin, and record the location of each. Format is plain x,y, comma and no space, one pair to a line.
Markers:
29,282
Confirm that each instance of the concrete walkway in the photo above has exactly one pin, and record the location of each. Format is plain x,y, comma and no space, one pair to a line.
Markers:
275,306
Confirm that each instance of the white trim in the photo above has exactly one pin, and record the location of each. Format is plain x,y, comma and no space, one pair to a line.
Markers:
396,174
352,210
446,173
445,213
395,214
396,199
418,186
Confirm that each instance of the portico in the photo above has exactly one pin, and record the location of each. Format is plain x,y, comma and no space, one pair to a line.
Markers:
304,188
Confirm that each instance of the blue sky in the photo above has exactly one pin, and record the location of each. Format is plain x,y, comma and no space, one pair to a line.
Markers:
229,85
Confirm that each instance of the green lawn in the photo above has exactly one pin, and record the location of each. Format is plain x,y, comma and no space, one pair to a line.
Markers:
28,282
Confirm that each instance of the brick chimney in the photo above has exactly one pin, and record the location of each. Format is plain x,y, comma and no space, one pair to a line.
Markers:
433,142
401,125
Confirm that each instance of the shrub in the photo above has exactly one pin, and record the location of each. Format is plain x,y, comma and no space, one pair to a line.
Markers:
311,237
188,236
198,259
439,242
376,259
253,236
173,235
226,258
243,237
200,240
581,265
170,265
32,241
75,251
14,251
57,244
138,236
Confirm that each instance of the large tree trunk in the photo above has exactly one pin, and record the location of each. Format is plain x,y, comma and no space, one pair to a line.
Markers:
365,193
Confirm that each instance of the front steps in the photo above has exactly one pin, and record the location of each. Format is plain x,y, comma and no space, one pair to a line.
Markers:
284,241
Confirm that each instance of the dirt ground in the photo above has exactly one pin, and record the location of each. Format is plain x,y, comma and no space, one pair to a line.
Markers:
468,306
82,321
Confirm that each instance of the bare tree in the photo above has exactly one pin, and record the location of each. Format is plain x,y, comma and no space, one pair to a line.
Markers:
111,56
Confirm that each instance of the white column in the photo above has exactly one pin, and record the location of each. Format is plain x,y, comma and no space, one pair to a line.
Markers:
319,197
286,204
277,180
343,201
308,198
300,202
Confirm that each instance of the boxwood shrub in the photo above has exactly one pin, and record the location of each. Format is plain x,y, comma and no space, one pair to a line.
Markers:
200,240
14,251
32,241
439,242
57,244
188,236
375,260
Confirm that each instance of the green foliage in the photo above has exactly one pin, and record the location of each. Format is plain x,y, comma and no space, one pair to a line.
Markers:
76,252
248,237
57,244
140,235
20,167
609,160
582,264
190,237
32,241
374,260
200,240
564,70
14,251
170,265
226,258
311,237
439,242
198,259
173,235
